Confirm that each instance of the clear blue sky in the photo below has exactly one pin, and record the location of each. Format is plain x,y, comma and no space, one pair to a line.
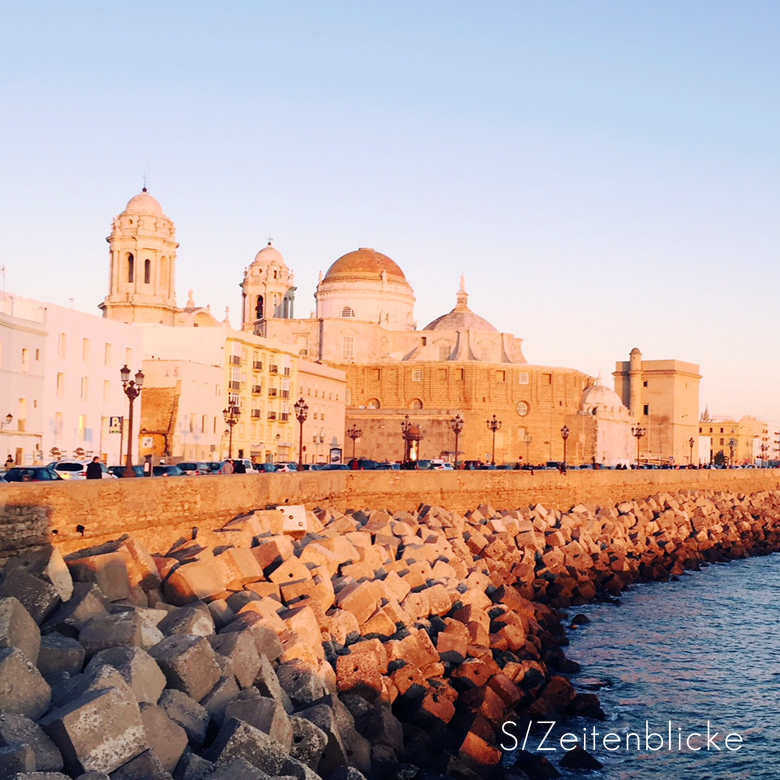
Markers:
604,173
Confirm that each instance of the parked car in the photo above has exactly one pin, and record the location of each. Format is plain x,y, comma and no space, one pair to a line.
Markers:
289,466
265,468
387,466
440,465
119,471
70,468
335,467
248,465
213,466
194,468
167,471
31,474
312,466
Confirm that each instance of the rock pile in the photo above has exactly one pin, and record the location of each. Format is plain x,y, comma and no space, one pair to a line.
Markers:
326,645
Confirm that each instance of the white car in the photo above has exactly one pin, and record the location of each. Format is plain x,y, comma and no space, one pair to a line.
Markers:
70,468
441,465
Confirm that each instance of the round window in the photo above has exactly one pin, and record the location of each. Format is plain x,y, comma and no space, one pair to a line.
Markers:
522,408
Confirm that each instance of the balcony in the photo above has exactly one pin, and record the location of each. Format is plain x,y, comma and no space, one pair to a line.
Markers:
284,416
271,415
273,369
233,385
234,360
257,365
287,372
257,389
285,394
256,414
273,392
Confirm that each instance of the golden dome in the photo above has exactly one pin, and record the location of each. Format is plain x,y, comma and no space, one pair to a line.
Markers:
364,263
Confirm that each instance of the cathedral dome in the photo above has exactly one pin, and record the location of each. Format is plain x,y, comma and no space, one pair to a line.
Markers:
143,203
598,395
364,264
461,317
268,254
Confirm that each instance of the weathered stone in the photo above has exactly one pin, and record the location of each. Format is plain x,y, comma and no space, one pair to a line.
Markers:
146,766
239,768
308,741
187,713
18,629
125,629
166,739
266,641
99,731
335,752
194,581
218,698
267,682
17,758
99,678
188,664
263,713
191,766
47,564
137,667
23,691
188,620
17,729
107,570
87,602
60,653
237,739
302,683
37,596
240,648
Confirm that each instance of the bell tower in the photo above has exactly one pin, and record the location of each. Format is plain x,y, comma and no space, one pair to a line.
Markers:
143,264
268,289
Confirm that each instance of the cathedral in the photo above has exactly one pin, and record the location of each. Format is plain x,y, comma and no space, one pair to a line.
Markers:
397,374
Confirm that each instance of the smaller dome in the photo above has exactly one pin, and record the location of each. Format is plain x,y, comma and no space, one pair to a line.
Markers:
268,254
600,395
461,317
363,263
143,203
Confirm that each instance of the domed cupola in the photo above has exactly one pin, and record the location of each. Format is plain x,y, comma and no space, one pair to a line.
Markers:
461,317
268,289
367,285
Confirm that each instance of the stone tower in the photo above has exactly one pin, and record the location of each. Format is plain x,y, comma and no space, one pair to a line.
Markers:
143,264
268,290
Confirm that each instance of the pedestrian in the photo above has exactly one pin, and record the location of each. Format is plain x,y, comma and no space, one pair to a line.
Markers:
9,462
93,469
239,467
227,467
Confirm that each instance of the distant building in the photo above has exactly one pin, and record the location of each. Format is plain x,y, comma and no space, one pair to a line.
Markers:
749,439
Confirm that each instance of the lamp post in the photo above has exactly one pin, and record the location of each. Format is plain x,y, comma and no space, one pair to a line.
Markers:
732,447
691,442
764,448
9,418
412,433
527,439
638,432
565,437
494,425
354,433
132,388
231,416
457,427
301,413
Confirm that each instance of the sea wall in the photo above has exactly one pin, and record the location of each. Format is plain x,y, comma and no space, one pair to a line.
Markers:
74,515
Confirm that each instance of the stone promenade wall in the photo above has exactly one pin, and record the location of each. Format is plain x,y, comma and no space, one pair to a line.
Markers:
76,515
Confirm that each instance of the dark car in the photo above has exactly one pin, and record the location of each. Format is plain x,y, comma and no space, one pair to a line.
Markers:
265,468
193,468
167,471
335,467
119,471
31,474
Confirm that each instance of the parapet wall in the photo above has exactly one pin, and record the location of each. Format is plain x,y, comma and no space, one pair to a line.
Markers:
158,511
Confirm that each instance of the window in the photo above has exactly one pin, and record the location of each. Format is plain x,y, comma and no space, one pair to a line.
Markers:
106,391
60,385
348,348
522,408
444,351
501,376
373,403
130,268
416,404
376,373
85,350
486,353
416,375
646,410
203,423
547,379
84,388
82,425
721,442
25,360
58,424
37,354
61,344
644,384
523,378
347,311
147,271
107,355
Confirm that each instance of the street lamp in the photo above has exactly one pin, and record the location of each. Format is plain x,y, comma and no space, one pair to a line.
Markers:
231,415
457,427
565,437
732,447
354,433
9,418
638,432
494,425
691,442
132,390
412,433
301,413
764,448
527,439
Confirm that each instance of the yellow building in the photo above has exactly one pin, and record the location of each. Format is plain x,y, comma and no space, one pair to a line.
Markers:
743,437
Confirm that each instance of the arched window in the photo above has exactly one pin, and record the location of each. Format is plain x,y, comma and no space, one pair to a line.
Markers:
444,351
164,272
147,271
373,403
259,307
347,311
130,267
416,404
276,274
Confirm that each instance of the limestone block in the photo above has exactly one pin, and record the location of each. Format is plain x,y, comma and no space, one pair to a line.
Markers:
308,741
137,667
218,698
273,551
99,731
266,640
18,629
360,598
188,620
240,648
240,768
263,713
107,570
187,713
221,613
86,602
23,691
289,571
243,565
188,664
302,682
360,674
49,565
17,729
268,609
165,737
146,766
335,752
198,580
237,739
124,629
97,679
192,767
60,653
38,597
16,759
